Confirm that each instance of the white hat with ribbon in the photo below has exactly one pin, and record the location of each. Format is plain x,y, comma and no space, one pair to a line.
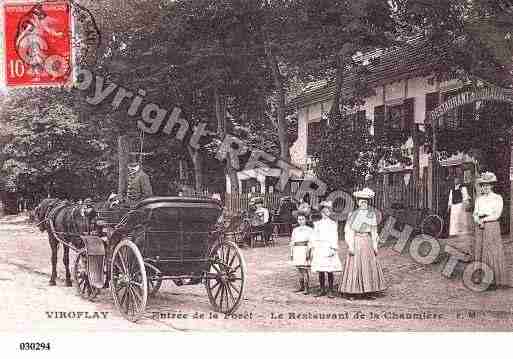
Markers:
487,177
365,193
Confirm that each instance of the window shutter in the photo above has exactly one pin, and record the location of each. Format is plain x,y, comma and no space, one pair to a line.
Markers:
379,121
314,138
361,121
409,114
431,104
467,111
350,122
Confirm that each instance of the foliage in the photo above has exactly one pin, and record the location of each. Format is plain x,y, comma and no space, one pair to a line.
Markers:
346,153
474,37
491,125
51,149
246,53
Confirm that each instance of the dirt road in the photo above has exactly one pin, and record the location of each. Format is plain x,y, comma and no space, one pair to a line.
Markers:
418,298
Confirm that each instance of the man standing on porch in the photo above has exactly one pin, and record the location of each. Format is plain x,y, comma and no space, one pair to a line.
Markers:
460,219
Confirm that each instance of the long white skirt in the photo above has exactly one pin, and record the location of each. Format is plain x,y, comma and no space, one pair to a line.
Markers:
460,221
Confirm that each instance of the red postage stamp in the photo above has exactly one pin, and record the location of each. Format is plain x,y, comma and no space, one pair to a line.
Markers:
37,41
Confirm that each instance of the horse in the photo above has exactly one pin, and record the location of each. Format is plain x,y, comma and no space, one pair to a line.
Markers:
64,221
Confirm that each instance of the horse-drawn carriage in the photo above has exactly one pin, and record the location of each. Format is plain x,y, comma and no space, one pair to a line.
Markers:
161,238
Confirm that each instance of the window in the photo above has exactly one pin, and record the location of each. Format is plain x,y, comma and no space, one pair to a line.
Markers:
357,121
314,138
395,117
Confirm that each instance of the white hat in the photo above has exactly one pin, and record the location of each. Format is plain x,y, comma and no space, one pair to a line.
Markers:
323,204
365,193
487,177
112,196
256,200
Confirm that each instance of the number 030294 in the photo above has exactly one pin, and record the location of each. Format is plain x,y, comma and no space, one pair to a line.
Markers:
34,346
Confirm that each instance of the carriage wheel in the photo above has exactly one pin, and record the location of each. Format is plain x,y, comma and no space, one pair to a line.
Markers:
432,225
128,283
226,276
80,274
154,281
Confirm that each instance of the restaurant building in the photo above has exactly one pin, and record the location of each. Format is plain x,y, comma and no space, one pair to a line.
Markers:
405,92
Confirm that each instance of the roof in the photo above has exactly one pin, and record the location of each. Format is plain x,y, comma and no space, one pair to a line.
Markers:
413,59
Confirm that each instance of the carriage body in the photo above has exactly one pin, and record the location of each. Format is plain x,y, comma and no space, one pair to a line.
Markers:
164,238
175,234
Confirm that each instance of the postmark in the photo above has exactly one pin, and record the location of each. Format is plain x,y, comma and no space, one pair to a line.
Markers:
86,36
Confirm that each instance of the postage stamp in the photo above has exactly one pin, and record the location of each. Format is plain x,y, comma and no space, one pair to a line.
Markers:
37,43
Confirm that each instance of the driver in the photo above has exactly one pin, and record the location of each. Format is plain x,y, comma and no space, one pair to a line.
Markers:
139,185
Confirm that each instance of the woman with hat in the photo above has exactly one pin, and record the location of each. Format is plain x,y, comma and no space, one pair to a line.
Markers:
488,246
300,241
324,247
261,218
362,271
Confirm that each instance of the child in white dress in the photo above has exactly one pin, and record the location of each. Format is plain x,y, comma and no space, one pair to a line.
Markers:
299,250
325,259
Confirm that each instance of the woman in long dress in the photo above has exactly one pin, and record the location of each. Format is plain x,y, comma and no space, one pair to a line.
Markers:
299,250
362,271
324,247
460,220
488,247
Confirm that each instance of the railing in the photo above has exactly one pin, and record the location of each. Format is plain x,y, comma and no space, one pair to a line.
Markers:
400,194
195,193
237,202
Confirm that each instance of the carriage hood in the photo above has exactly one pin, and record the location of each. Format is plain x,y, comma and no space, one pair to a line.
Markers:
178,202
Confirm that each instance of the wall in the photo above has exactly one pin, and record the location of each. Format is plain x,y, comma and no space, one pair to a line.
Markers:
310,113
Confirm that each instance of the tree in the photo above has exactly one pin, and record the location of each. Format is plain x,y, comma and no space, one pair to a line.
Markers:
346,153
49,150
474,38
338,32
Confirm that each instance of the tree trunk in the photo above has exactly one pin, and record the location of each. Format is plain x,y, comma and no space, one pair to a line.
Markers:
280,111
220,111
337,101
